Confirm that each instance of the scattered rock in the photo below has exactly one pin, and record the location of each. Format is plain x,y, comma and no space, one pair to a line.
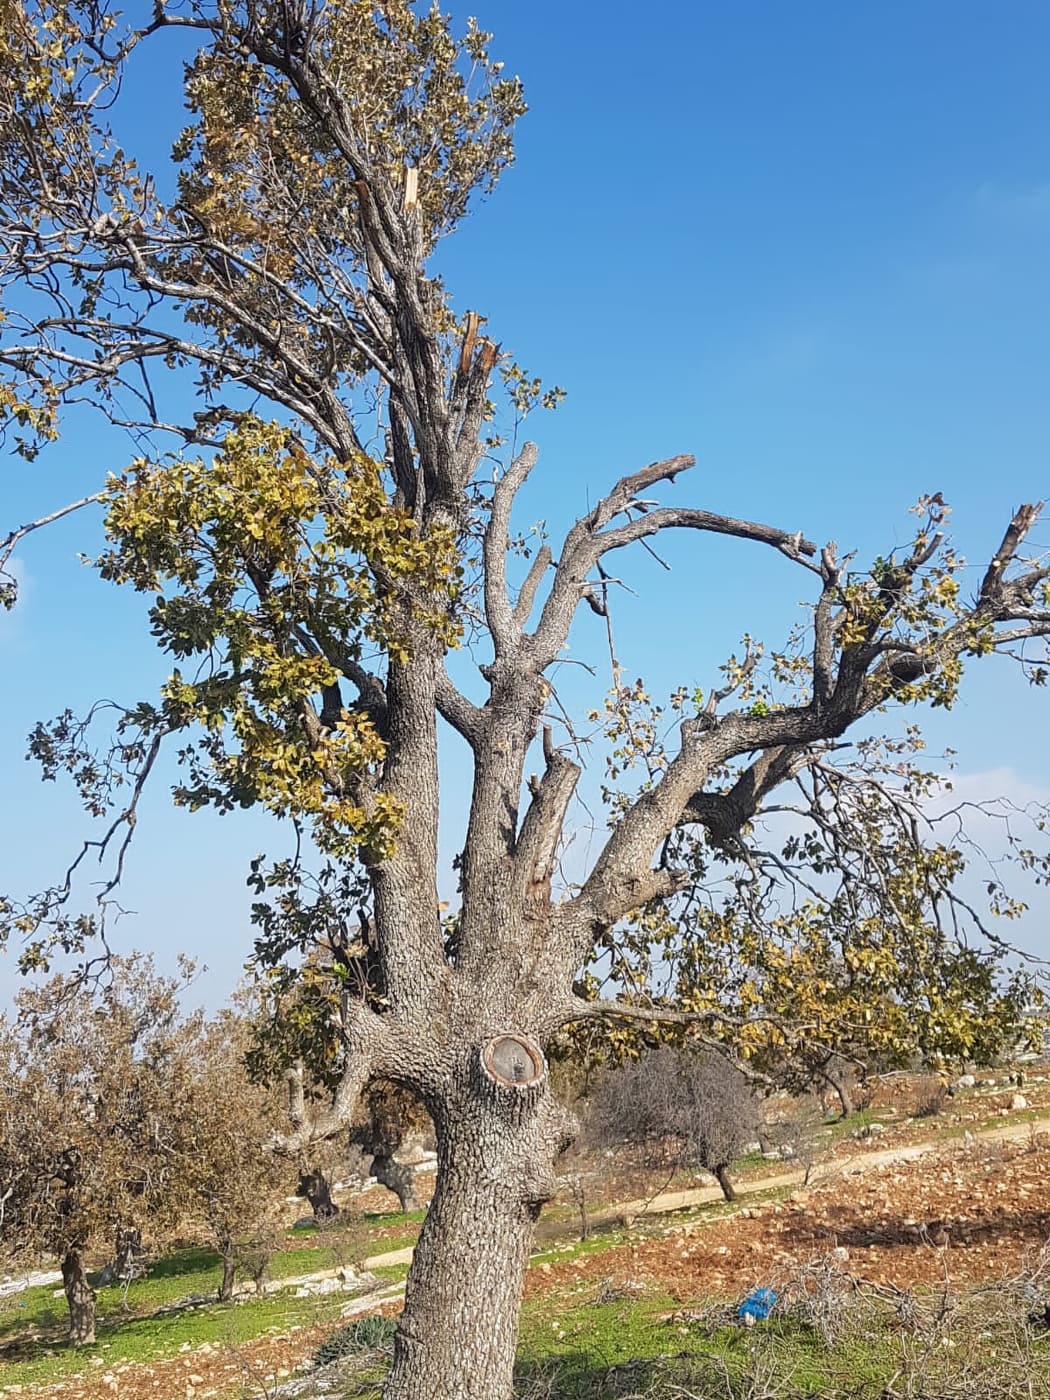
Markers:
40,1278
1018,1102
319,1287
868,1130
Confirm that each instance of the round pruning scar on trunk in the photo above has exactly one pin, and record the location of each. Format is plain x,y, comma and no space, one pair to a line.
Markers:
512,1073
513,1060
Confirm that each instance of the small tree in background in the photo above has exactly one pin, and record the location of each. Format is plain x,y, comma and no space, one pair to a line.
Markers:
390,1116
835,953
225,1124
687,1109
89,1143
295,1033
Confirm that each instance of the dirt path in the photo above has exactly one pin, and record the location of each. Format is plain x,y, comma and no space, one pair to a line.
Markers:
852,1165
974,1212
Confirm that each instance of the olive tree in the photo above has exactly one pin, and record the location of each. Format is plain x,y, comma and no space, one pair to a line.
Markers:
327,528
223,1122
685,1109
89,1138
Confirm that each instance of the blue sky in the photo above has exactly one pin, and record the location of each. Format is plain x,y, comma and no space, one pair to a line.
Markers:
806,242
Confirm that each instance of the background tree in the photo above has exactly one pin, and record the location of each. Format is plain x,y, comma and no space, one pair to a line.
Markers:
686,1109
89,1142
828,947
390,1122
224,1124
295,1032
312,589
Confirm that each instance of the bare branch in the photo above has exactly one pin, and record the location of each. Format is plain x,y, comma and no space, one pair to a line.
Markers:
505,634
592,537
539,566
10,543
1024,519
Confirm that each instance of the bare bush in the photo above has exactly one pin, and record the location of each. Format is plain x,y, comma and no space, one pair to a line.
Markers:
688,1110
796,1134
931,1096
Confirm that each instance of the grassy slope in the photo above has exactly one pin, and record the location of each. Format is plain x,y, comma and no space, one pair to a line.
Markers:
599,1338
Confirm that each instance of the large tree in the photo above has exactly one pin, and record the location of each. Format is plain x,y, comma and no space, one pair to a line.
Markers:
313,585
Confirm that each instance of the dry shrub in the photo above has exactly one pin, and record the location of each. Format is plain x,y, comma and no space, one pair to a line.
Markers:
931,1096
796,1134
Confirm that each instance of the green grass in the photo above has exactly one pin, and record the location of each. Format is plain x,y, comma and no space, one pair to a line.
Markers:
160,1335
33,1324
591,1348
576,1346
179,1275
394,1217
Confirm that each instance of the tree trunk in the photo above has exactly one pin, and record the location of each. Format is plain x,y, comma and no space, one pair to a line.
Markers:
229,1269
840,1085
314,1186
722,1177
496,1147
124,1266
81,1299
397,1177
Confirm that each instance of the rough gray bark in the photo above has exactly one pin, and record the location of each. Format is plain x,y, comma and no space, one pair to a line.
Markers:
838,1081
722,1177
229,1271
80,1297
497,1140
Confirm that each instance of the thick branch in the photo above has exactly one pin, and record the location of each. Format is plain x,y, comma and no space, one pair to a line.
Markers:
578,1009
866,678
368,1038
505,633
591,538
541,831
1017,530
455,709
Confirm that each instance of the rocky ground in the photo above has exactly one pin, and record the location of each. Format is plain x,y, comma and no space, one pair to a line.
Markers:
971,1212
972,1208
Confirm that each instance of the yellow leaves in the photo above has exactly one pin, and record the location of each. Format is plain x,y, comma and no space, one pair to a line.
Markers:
272,565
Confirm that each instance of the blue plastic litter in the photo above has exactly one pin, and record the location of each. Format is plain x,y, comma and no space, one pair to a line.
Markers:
758,1305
